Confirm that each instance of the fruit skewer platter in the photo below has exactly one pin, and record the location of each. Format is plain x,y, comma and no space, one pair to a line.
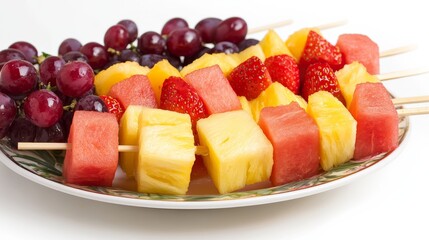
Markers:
242,115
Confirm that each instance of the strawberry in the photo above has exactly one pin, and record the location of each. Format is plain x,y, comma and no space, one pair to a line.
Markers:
113,106
318,49
250,78
320,77
284,69
177,95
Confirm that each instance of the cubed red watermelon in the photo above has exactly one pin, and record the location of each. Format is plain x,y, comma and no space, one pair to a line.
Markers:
135,90
214,89
295,138
92,156
359,47
377,120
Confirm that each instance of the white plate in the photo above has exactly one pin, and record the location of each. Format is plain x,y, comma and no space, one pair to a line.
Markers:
44,168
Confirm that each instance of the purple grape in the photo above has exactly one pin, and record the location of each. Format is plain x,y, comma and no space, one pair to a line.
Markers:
132,29
129,55
66,122
151,42
116,37
18,77
225,47
96,53
74,56
54,133
75,79
49,69
69,45
7,113
21,130
91,103
173,60
233,30
206,28
29,51
184,42
173,24
43,108
10,54
247,43
197,55
149,60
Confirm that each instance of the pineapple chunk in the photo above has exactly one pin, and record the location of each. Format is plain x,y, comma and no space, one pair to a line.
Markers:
105,79
166,152
245,105
272,45
239,152
157,75
255,50
275,95
337,129
350,76
226,62
297,40
128,135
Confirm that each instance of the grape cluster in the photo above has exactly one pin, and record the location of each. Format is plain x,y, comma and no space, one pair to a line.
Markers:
38,94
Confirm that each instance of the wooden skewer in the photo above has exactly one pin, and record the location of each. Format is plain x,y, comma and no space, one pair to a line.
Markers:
403,73
270,26
412,111
332,24
398,50
420,99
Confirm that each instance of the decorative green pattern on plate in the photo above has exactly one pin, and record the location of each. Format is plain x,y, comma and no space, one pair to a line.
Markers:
48,165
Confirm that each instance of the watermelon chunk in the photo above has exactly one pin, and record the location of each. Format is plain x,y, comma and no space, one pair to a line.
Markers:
295,138
135,90
93,155
377,120
214,89
359,47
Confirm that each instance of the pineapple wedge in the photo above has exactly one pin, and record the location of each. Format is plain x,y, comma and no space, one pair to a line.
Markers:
128,135
272,45
350,76
157,75
255,50
226,62
239,152
337,129
166,152
275,95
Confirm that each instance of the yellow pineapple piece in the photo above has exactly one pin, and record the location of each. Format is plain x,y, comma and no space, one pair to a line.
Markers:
297,40
105,79
350,76
245,105
255,50
272,45
128,135
337,129
239,152
275,95
226,62
166,152
157,75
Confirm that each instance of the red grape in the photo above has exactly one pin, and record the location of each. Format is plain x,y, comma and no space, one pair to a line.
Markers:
69,45
7,113
151,42
128,55
206,28
173,24
132,29
224,47
184,42
18,77
49,69
116,37
75,79
29,51
75,56
149,60
233,30
43,108
21,130
91,103
10,54
96,53
54,133
247,43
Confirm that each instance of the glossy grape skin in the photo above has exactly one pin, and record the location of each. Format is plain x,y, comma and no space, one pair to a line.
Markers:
225,47
116,37
43,108
132,29
96,53
74,56
233,30
184,42
149,60
7,113
29,51
21,130
54,133
10,54
173,24
206,28
151,43
69,45
75,79
18,77
247,43
91,103
128,55
49,69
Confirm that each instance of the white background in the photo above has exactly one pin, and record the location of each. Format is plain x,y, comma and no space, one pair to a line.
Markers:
392,202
